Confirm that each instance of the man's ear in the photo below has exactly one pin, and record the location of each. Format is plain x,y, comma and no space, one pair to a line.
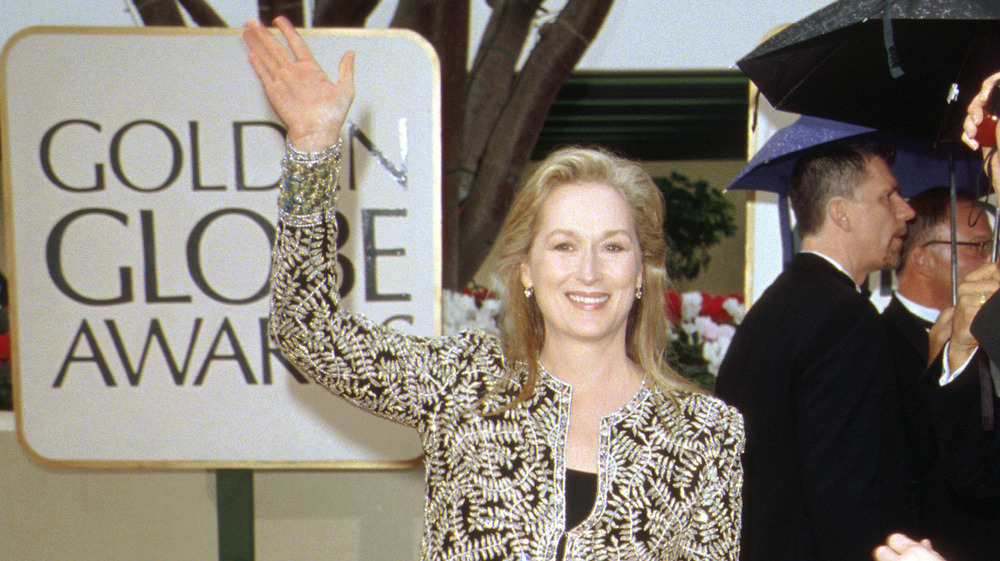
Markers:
921,256
924,259
838,213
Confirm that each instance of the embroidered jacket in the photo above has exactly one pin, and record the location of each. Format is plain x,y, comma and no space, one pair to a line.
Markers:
669,468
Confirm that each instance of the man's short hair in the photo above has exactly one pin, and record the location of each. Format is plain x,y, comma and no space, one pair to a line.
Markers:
834,170
931,208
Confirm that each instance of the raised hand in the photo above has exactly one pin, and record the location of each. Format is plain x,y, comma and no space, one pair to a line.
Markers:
974,119
974,113
312,107
899,547
973,292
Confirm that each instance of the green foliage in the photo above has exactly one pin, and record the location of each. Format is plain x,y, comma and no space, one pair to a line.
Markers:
6,391
6,394
685,355
698,217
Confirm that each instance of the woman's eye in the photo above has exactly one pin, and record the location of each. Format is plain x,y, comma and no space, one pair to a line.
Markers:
563,247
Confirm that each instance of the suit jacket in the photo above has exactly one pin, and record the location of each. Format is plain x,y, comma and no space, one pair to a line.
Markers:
972,454
825,467
960,526
908,345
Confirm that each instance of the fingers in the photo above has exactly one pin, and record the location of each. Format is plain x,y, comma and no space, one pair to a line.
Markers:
884,553
978,286
945,316
973,293
986,271
899,542
899,546
295,42
345,73
265,52
974,116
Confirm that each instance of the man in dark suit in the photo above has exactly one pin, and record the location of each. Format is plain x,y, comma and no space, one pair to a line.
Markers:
961,527
826,470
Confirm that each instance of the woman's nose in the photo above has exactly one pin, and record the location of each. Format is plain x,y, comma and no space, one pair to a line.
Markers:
589,265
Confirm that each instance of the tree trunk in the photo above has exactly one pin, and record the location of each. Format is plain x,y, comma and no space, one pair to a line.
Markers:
291,9
167,12
509,148
445,23
159,12
202,14
491,81
343,13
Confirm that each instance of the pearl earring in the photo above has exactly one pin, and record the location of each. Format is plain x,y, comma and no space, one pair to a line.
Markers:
638,292
528,292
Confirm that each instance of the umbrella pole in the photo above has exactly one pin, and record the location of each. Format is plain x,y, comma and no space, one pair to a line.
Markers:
996,216
785,224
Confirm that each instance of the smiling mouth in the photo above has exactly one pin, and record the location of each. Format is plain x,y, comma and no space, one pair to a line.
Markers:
587,299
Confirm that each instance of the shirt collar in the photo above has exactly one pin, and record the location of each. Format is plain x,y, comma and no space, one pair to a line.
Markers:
922,312
833,262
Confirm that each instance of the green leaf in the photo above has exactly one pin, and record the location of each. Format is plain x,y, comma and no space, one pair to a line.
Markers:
698,216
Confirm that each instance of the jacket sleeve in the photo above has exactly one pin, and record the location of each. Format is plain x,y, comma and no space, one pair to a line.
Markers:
394,375
716,522
970,453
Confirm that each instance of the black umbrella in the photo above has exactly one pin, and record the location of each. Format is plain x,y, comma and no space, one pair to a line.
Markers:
910,66
885,64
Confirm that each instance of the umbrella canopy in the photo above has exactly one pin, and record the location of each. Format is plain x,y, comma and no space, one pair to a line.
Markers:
920,163
885,64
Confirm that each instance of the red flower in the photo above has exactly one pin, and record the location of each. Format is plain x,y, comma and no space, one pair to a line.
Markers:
711,306
672,305
479,293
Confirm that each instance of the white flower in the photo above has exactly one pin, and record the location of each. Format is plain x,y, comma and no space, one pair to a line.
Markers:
708,329
714,352
690,305
735,309
690,327
460,313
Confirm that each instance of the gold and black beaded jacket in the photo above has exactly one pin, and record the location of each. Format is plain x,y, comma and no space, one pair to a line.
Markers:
669,470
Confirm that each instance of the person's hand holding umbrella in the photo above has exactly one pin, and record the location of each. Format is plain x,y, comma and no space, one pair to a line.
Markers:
970,129
974,291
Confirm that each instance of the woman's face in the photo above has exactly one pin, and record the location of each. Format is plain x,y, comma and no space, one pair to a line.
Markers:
584,264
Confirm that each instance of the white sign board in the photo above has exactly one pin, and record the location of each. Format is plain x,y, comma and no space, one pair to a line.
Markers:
140,173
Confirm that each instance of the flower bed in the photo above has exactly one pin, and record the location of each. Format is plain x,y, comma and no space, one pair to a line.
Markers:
702,326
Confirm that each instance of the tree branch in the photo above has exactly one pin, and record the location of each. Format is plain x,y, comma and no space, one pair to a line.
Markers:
509,148
343,13
491,81
159,12
291,9
202,14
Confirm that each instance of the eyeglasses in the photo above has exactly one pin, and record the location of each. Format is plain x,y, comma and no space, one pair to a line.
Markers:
983,249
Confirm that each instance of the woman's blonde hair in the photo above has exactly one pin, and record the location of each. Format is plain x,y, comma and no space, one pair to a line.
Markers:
521,326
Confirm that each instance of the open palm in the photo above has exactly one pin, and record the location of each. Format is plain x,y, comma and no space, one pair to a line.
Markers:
312,107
